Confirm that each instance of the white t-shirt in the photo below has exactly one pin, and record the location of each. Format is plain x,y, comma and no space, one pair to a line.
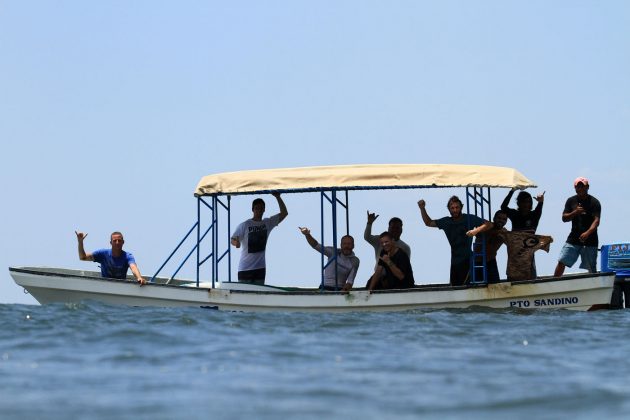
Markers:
347,266
253,237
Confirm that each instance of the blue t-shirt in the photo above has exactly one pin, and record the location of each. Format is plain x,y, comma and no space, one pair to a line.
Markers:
456,234
113,267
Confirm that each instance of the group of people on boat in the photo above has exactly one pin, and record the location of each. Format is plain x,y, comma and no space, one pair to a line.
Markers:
393,268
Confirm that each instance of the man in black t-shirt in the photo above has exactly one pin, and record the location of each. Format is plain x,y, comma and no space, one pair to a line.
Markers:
584,212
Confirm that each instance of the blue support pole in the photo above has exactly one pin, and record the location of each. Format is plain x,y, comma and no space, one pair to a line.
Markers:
229,229
198,235
321,215
334,239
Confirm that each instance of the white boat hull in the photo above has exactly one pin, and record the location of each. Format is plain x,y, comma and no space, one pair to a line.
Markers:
576,292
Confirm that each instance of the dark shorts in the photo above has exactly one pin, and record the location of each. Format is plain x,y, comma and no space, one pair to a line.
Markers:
460,273
253,276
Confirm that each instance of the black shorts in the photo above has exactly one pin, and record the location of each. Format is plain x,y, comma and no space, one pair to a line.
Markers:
253,276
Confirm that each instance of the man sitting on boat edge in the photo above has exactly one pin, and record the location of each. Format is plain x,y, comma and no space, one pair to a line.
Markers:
114,262
347,262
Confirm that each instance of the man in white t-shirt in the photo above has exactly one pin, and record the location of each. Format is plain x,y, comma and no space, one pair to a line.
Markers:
252,234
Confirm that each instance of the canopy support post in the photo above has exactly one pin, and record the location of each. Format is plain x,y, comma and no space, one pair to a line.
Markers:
478,262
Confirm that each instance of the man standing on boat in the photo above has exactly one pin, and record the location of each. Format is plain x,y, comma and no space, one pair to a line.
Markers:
395,229
114,262
346,265
456,227
584,211
252,234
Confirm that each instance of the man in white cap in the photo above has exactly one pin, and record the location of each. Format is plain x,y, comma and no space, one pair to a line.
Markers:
584,211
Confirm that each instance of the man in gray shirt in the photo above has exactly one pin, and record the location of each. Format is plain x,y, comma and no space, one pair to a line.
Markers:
394,228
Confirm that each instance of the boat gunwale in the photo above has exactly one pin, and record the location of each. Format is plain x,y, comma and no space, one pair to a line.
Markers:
288,290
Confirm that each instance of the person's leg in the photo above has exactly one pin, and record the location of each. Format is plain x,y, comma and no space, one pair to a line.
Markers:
492,270
568,256
588,256
460,273
256,276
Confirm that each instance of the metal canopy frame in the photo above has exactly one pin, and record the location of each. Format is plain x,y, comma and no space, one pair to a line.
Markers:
481,207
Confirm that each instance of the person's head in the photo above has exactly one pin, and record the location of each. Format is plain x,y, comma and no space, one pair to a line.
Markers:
500,219
258,208
455,206
347,244
524,201
386,240
581,186
395,228
116,240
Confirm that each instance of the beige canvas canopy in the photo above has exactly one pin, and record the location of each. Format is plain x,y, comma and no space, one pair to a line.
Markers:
353,177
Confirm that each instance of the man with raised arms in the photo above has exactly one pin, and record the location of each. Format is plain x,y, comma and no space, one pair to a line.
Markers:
459,229
347,263
114,262
252,235
395,228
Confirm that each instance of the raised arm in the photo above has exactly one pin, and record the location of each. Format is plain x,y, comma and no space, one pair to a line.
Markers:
309,238
506,201
83,256
480,229
425,216
371,217
283,208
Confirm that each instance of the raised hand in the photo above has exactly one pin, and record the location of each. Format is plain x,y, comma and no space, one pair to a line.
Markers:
371,217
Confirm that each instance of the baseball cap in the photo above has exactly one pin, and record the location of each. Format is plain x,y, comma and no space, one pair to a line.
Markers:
580,179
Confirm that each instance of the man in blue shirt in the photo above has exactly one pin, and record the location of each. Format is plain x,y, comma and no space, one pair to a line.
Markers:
114,262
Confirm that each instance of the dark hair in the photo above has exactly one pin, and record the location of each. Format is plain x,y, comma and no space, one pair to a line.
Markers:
115,233
498,212
395,220
454,199
258,201
348,236
384,234
523,196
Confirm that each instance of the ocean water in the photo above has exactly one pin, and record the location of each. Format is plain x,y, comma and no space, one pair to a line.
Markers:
95,361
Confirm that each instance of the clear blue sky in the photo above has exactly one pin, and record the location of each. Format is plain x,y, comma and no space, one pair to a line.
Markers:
110,113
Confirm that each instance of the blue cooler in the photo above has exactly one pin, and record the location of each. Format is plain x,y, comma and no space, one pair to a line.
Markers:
616,258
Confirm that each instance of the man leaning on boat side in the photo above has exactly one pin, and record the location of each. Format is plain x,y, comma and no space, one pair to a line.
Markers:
459,237
114,262
584,212
395,228
347,263
252,235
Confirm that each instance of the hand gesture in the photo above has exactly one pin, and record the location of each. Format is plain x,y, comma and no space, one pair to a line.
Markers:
305,231
81,236
541,197
422,204
371,217
385,258
579,210
471,232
